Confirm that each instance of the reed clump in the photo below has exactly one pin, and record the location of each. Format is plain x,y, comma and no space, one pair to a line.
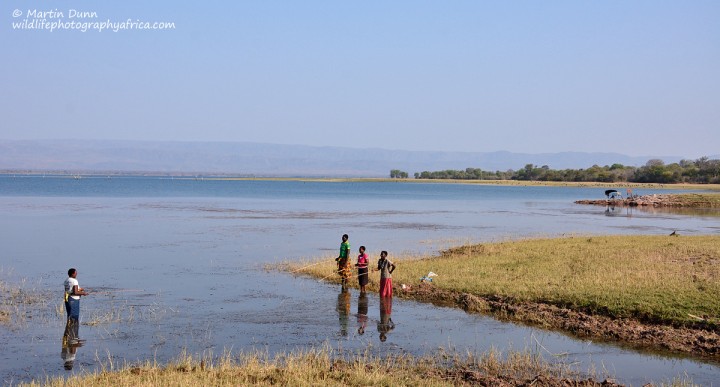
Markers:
671,280
20,302
113,314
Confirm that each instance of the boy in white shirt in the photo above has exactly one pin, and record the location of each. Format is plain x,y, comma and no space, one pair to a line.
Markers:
73,291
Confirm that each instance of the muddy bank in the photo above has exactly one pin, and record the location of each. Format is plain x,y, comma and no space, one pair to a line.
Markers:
698,342
501,375
672,201
460,376
474,378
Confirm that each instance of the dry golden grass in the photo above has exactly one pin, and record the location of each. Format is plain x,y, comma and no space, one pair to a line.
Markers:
321,367
672,280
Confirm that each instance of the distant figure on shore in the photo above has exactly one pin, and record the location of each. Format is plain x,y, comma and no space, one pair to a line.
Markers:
343,309
386,324
362,311
343,261
386,267
362,265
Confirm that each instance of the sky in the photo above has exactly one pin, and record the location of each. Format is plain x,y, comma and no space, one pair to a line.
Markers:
633,77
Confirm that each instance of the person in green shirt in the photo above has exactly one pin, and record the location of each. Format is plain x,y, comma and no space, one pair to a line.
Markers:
343,261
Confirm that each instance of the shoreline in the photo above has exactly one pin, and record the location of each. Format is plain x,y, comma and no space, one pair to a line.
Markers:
626,332
509,183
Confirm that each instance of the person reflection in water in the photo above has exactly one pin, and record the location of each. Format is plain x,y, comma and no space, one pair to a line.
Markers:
70,344
343,309
386,324
362,312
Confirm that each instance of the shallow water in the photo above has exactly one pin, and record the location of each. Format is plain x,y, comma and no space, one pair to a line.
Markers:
181,263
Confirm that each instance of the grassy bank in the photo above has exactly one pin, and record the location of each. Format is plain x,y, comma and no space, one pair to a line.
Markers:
316,367
655,279
699,200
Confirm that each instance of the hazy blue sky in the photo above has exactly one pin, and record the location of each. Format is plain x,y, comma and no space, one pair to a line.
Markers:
635,77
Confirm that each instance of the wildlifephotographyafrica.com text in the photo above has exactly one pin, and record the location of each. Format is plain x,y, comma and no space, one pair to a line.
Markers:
78,20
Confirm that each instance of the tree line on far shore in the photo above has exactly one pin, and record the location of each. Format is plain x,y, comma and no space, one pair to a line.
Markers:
702,170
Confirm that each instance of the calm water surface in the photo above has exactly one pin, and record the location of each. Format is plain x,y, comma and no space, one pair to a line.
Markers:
179,264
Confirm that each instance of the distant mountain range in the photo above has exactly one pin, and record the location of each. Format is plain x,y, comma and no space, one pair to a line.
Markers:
259,159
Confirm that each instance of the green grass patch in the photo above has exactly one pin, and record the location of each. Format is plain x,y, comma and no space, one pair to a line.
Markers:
711,200
671,280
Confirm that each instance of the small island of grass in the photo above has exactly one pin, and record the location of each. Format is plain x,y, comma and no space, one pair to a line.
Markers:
658,292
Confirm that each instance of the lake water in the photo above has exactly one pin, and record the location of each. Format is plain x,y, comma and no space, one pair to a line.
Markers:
179,264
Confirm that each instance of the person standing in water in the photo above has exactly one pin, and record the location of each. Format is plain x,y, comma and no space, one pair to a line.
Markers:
362,265
73,291
343,261
386,267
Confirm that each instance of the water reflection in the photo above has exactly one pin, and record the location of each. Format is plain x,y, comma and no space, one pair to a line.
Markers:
362,311
611,210
70,343
343,309
386,324
699,212
629,211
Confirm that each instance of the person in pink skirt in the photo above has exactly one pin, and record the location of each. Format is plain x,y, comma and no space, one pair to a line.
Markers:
362,266
386,267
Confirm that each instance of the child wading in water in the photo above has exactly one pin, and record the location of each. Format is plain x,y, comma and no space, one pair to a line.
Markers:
386,267
362,265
